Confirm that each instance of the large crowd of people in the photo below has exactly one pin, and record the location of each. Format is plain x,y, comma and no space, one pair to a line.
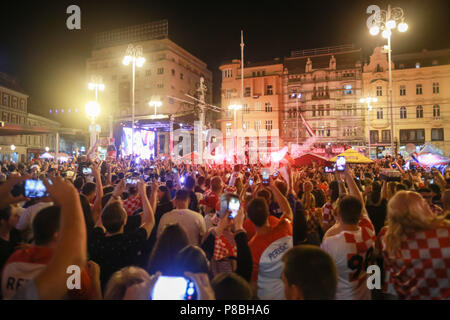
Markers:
301,234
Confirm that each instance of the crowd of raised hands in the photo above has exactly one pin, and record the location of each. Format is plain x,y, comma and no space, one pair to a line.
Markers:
128,224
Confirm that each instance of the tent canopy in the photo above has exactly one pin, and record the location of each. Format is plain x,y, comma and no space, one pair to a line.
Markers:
352,156
309,158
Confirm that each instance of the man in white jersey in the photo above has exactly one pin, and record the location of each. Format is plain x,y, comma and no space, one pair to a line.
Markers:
351,242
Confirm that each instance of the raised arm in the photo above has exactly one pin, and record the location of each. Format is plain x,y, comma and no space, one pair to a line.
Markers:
71,246
148,216
97,210
282,202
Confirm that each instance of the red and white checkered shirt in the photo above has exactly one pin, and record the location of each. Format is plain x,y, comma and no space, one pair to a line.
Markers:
224,249
422,272
352,252
132,204
328,214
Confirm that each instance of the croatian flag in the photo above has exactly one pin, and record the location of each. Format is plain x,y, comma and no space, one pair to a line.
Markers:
308,127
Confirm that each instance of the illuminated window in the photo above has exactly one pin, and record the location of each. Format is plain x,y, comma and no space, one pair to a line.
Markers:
379,91
227,73
419,112
418,89
436,111
380,113
437,134
403,114
435,87
258,125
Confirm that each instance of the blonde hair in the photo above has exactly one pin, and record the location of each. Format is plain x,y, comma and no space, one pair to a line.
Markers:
121,280
407,212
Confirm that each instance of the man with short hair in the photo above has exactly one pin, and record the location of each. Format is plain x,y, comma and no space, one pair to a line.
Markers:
351,242
268,246
309,273
88,191
192,222
25,264
189,186
25,224
109,245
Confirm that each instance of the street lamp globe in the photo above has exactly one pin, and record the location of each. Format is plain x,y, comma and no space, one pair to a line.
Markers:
47,149
374,30
13,147
386,33
403,27
391,24
362,100
126,60
92,109
375,99
91,86
101,87
140,62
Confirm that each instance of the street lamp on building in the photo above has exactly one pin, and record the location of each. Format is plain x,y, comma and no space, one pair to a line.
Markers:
386,21
133,55
13,147
156,103
47,149
92,111
368,101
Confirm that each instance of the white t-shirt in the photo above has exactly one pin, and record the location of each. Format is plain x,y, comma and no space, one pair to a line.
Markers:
192,222
352,252
25,223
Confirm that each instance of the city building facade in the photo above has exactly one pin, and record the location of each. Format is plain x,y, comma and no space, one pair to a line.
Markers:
169,74
421,100
324,86
22,135
257,123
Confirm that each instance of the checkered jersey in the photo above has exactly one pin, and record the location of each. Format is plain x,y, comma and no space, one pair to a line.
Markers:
223,249
328,214
132,204
353,252
422,271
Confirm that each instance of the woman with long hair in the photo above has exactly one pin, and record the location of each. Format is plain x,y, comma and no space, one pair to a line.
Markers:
376,205
172,240
416,249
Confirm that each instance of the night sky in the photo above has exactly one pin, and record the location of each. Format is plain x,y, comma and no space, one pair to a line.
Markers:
49,60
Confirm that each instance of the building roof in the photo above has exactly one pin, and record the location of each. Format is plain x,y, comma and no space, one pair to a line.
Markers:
425,58
250,64
344,60
142,32
11,83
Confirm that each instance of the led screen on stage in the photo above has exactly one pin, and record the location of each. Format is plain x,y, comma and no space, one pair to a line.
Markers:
144,143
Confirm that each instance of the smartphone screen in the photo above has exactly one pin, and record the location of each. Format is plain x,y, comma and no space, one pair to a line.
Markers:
173,288
132,181
265,176
233,205
35,189
340,164
250,182
87,171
